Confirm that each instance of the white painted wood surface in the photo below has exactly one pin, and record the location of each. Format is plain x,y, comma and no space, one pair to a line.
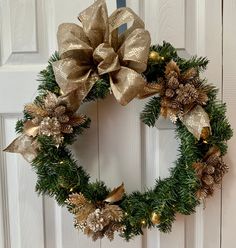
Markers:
120,147
229,91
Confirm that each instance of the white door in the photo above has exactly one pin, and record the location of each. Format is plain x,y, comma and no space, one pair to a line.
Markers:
119,145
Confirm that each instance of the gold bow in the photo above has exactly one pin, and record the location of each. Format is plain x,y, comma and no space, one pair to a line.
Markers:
96,49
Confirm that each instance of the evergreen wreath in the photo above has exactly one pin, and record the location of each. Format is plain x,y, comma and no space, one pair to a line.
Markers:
51,123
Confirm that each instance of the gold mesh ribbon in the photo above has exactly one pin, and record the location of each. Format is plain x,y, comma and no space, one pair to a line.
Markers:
96,48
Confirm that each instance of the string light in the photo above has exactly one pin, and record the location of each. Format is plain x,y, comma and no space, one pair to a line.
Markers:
143,222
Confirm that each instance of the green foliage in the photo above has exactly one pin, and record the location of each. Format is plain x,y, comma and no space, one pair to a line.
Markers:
199,63
58,174
99,90
70,137
20,123
151,111
96,191
19,126
220,127
156,69
47,77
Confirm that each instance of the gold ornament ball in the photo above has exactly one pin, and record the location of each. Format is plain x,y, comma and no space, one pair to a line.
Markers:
155,218
155,56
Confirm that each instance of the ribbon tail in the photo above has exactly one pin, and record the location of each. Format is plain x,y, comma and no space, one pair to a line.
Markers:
150,89
126,84
25,145
196,120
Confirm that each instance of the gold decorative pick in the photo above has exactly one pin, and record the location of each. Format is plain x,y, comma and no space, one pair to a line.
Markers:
155,218
116,194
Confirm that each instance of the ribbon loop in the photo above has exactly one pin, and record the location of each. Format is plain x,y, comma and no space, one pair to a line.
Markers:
73,43
134,50
95,24
120,17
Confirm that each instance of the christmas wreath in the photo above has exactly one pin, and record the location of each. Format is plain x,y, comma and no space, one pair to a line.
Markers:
93,61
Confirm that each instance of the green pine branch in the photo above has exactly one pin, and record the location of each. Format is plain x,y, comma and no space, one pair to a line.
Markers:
156,69
99,91
47,78
199,63
151,111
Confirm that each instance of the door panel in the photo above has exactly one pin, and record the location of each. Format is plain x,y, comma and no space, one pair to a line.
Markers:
229,91
118,147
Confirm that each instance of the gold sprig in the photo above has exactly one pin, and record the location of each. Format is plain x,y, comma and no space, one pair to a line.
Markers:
98,219
51,118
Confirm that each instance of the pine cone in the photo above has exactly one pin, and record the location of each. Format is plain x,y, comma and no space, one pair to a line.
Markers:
60,110
186,94
209,169
169,93
63,118
173,83
96,221
175,105
208,179
50,126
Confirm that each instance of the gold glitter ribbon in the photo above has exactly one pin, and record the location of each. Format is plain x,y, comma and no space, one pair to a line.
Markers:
196,120
25,145
96,48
